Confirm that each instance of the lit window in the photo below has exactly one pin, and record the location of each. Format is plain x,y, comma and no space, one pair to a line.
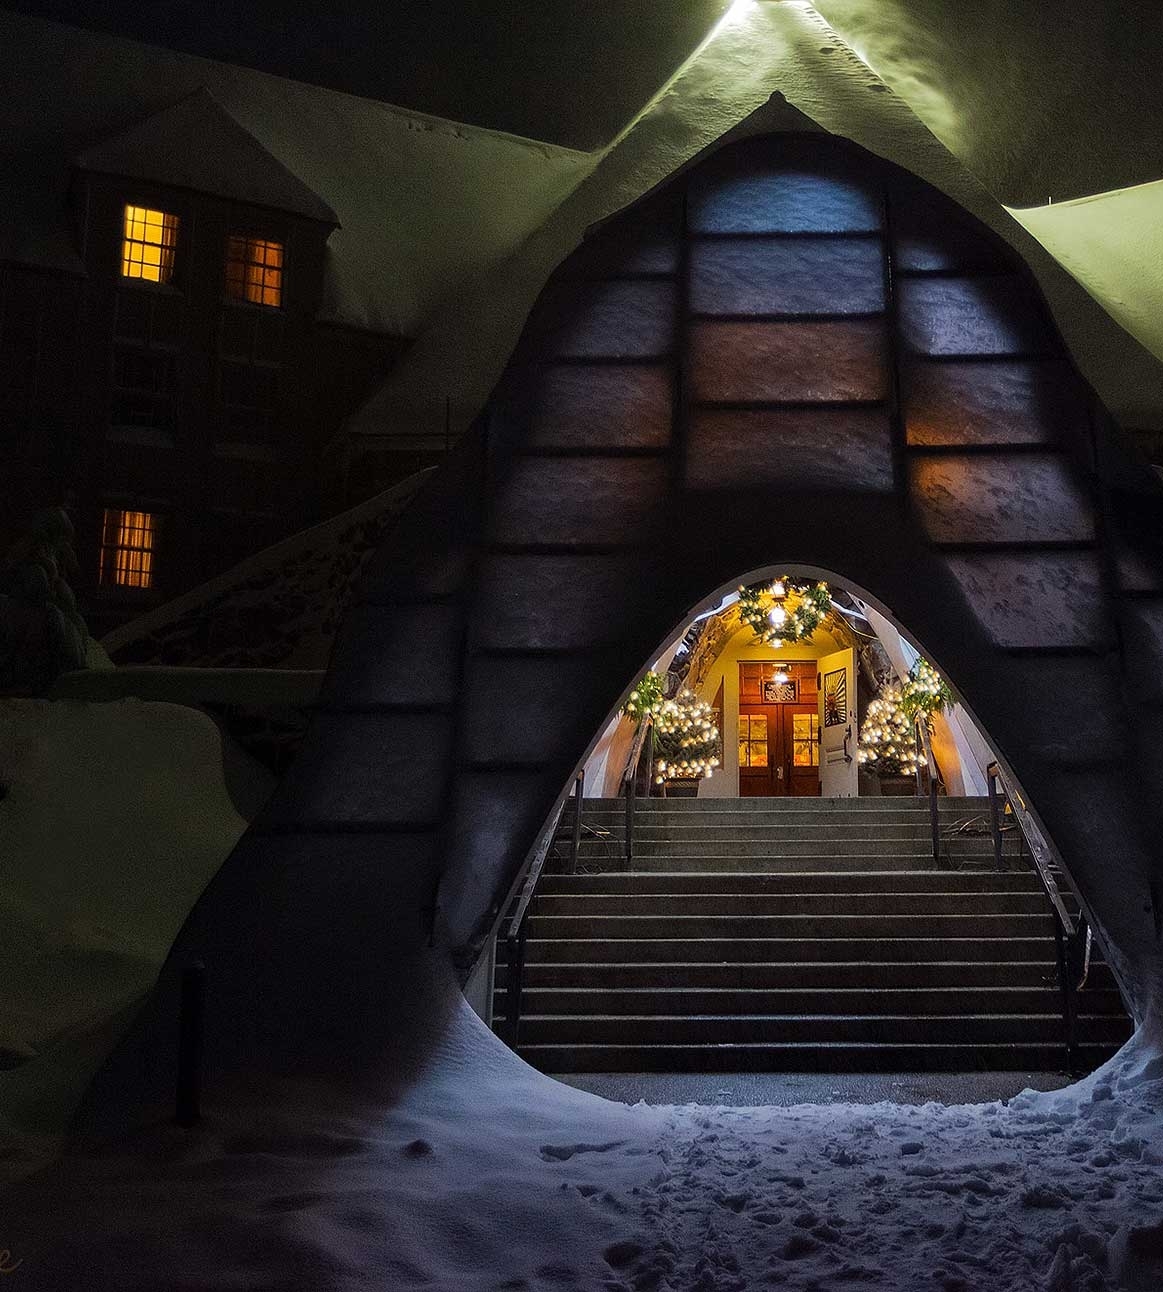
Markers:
150,240
127,548
254,270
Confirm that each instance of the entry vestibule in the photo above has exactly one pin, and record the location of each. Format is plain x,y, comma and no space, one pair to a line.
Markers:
779,729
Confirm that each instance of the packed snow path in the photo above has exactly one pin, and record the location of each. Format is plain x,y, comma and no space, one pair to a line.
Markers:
486,1175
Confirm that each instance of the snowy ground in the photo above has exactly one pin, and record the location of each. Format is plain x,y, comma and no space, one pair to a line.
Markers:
485,1175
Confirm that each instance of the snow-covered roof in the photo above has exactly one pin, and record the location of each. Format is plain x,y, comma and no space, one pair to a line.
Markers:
227,161
422,202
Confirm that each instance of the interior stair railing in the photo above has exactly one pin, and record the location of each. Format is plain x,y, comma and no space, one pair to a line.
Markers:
640,744
514,941
934,808
1072,937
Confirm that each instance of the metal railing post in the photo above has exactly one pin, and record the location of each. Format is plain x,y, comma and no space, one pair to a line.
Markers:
191,1040
1066,985
631,795
994,814
575,842
934,820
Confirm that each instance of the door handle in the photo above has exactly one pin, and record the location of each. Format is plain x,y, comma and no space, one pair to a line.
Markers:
847,738
779,773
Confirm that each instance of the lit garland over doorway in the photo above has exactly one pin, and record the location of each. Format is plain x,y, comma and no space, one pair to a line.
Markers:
785,610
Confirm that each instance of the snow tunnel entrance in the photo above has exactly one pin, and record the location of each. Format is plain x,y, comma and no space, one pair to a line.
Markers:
790,348
791,849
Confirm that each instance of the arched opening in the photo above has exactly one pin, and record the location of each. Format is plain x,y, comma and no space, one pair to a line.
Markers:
825,877
792,349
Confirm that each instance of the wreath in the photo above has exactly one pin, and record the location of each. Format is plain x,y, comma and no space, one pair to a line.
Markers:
785,610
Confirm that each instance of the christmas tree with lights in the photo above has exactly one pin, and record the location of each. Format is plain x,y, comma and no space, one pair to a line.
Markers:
686,739
887,742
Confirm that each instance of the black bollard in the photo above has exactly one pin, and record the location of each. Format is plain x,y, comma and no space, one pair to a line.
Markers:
191,1028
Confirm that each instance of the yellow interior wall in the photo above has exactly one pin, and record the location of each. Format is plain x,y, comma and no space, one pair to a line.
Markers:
744,646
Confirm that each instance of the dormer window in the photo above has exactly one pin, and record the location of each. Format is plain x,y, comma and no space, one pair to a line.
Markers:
147,251
127,548
254,270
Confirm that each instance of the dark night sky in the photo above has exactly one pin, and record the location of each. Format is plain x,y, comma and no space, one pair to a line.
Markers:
570,73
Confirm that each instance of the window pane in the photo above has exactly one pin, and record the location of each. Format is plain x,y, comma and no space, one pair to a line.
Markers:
127,548
147,250
805,740
254,270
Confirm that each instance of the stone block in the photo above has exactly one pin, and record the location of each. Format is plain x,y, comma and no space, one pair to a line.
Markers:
614,319
530,710
574,502
602,406
367,769
643,241
1000,497
740,276
1049,600
403,654
732,361
496,820
767,197
1010,401
1142,625
928,236
554,603
952,316
809,449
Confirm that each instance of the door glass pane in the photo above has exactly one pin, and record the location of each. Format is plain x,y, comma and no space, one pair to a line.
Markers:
752,740
805,740
758,740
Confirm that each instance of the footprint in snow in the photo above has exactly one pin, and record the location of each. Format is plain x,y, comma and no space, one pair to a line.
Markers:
563,1152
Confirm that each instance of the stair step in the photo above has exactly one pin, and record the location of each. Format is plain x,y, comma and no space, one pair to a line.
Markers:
692,905
808,927
657,1001
772,1029
727,950
599,977
813,1057
786,863
808,881
797,935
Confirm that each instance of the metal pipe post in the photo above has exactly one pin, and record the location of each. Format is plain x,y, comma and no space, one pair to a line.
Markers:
191,1040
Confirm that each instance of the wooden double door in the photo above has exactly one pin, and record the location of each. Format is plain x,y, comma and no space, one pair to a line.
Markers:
779,731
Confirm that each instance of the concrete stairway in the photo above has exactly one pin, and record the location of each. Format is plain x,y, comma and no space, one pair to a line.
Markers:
797,935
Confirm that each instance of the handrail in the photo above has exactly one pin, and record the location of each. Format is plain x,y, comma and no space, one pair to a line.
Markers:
515,935
630,780
1040,851
934,810
1067,934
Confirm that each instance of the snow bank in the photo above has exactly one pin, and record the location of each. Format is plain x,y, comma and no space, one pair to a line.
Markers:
484,1174
113,819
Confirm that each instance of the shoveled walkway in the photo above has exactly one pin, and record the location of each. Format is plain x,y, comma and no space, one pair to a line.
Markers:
759,1089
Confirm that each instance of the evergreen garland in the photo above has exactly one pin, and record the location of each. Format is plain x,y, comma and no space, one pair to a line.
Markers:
925,693
799,607
645,698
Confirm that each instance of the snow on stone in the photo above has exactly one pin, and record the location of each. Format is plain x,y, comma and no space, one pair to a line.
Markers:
486,1175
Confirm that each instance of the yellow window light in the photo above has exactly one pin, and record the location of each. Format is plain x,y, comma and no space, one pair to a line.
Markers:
254,270
127,548
151,237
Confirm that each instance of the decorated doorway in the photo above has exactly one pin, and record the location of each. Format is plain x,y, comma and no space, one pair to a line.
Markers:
779,729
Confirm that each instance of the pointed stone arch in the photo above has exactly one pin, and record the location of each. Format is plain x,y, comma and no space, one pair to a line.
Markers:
792,352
